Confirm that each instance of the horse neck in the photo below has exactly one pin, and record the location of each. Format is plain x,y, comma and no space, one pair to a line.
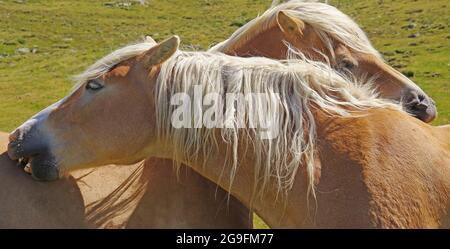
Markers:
271,43
442,145
260,45
275,212
403,163
278,209
444,133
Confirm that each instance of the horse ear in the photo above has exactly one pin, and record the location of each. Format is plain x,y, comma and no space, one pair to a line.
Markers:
162,51
149,39
290,25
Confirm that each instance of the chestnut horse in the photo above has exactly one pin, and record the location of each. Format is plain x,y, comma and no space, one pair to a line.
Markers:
367,163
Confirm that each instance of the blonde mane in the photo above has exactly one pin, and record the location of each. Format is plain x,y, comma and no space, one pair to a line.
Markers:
300,84
328,22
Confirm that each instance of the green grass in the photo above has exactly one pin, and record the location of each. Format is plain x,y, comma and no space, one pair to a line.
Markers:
67,36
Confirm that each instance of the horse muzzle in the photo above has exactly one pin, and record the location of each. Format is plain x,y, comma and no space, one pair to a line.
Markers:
31,150
421,106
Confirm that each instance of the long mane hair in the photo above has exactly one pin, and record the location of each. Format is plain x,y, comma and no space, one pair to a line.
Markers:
300,85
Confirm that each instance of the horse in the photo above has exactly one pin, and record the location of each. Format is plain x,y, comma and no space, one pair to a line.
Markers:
83,200
360,159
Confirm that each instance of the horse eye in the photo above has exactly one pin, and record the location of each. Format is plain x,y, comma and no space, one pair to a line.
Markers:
347,64
93,85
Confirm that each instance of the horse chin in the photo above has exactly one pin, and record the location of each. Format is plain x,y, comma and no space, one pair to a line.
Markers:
43,168
34,156
427,115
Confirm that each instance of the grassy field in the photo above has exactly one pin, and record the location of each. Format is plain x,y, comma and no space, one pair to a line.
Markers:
43,43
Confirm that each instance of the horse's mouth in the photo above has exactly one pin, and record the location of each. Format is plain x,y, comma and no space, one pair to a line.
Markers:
34,159
14,154
40,167
25,164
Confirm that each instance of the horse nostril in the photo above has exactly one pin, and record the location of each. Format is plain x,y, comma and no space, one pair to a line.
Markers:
421,98
14,136
421,106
